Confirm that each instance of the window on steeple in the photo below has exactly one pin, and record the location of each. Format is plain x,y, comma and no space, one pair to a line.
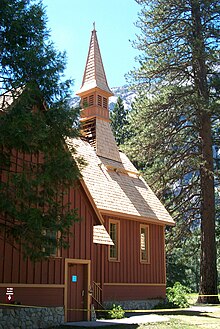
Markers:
91,100
99,100
85,102
105,103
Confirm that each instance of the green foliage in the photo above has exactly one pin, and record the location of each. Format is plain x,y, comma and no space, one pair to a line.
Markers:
27,54
183,262
119,122
175,114
116,312
36,165
31,196
176,296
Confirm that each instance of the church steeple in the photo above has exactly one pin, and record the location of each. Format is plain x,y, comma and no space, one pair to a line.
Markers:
95,94
94,74
94,91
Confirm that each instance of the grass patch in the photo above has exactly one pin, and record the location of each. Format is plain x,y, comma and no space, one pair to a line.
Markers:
171,324
204,320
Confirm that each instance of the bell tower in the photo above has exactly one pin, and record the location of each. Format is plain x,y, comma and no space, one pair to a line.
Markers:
94,94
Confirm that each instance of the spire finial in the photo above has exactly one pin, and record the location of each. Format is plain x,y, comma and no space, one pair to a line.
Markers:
93,26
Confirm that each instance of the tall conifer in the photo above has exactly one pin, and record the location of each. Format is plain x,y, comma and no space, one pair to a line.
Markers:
119,121
35,119
174,115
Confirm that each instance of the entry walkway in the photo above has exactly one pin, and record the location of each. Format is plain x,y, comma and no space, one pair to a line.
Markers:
138,319
142,318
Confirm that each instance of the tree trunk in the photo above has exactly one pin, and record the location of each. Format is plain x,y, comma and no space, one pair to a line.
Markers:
208,271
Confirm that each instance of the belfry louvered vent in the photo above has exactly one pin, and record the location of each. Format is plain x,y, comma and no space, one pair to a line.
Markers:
88,131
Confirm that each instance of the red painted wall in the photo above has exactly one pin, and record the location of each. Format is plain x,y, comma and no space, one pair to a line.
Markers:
36,296
121,293
14,269
129,269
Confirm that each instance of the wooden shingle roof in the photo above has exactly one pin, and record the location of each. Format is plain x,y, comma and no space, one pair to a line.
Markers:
117,188
94,74
101,236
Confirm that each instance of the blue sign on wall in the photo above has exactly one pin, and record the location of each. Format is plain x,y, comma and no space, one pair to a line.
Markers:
74,278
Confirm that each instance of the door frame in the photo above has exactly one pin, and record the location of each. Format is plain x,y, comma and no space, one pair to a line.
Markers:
86,262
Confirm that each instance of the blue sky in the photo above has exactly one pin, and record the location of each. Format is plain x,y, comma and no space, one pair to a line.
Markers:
71,23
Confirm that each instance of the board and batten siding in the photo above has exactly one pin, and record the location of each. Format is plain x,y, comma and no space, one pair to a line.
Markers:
129,276
13,268
42,283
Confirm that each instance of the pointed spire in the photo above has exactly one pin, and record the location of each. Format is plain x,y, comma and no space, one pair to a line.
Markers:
94,116
94,74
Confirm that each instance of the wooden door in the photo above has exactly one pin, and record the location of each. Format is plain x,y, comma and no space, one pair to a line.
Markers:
77,292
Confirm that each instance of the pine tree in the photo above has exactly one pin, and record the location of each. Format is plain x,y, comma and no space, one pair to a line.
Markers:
174,117
119,122
35,120
183,263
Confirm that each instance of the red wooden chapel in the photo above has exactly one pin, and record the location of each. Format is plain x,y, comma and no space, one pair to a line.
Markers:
117,251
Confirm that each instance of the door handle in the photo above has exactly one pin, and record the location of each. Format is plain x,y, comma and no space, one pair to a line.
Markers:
83,293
